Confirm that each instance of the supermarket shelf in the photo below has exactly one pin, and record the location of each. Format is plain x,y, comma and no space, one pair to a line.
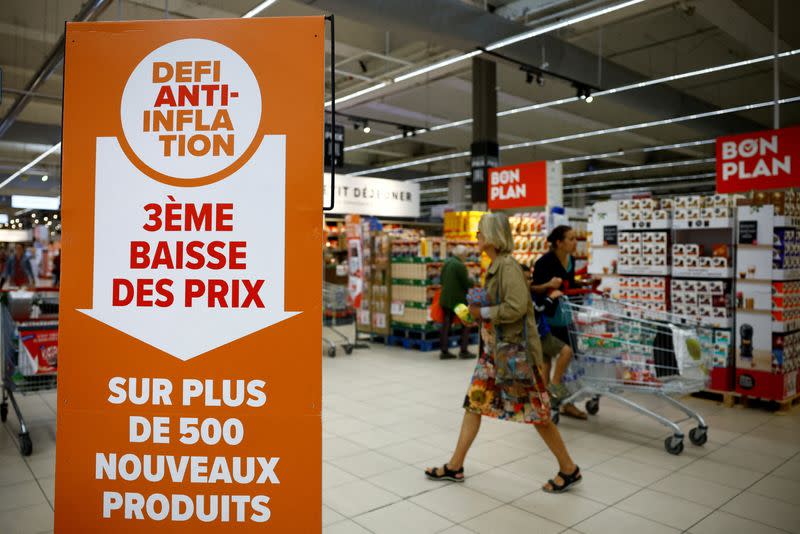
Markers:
707,272
660,270
413,282
754,247
784,221
645,225
783,327
725,223
786,274
604,246
415,259
754,311
713,322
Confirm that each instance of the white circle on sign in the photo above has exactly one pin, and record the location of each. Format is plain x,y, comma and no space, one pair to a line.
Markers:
191,108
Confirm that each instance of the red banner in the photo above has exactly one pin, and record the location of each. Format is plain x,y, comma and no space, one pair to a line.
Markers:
758,160
518,186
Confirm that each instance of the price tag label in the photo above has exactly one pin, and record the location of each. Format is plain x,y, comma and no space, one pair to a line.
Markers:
398,307
341,269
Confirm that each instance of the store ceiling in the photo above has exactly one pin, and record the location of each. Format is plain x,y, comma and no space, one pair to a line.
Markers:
377,39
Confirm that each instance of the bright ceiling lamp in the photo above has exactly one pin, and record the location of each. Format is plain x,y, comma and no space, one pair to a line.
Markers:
36,160
561,24
615,90
663,122
594,133
440,177
497,45
258,9
646,167
635,150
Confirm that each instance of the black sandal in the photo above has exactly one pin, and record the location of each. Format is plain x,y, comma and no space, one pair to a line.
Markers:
569,481
447,474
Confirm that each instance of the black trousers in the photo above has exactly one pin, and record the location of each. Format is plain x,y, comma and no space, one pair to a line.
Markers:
445,334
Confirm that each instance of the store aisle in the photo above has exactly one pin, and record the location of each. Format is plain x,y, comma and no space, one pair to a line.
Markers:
390,412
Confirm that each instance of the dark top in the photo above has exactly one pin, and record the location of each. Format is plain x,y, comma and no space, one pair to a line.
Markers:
455,283
549,266
544,270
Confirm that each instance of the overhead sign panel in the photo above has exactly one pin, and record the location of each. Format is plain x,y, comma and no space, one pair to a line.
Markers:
758,160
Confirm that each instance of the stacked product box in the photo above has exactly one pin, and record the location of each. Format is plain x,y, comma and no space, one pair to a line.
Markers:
702,211
643,214
690,256
785,249
786,352
704,300
639,251
643,291
786,304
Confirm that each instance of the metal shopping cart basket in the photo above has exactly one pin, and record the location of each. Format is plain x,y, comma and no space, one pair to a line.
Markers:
29,338
621,348
336,311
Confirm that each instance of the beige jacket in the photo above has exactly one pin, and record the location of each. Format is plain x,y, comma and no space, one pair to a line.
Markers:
513,307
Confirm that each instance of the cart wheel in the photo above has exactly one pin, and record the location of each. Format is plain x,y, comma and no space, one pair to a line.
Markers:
4,412
348,349
555,417
592,406
698,436
25,444
676,447
332,352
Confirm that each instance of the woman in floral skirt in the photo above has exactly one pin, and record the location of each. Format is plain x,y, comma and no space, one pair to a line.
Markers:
507,382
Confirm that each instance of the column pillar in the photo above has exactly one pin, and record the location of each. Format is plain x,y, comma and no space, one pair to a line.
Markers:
457,193
484,149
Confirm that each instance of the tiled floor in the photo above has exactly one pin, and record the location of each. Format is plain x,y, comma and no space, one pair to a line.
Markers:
389,412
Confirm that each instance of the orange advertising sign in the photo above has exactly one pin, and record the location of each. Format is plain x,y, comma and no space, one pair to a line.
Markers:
189,379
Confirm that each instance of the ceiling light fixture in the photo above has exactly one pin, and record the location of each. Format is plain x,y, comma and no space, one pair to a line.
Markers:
44,178
258,9
594,133
630,87
493,46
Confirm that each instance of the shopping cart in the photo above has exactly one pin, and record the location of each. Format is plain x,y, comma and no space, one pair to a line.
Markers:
29,347
336,311
621,348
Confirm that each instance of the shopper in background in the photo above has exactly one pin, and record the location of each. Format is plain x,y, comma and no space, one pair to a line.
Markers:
455,284
507,382
553,275
18,269
553,349
57,268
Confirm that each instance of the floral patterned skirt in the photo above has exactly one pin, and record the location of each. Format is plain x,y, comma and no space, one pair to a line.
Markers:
505,385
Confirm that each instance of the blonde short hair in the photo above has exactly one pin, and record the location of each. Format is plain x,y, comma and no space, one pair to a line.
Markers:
496,231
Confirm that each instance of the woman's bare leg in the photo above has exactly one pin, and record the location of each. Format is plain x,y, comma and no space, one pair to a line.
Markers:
562,362
552,437
469,429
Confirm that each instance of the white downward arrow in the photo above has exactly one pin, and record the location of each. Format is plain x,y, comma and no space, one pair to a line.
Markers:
257,192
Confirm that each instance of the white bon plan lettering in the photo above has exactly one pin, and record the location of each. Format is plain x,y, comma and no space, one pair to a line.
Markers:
755,158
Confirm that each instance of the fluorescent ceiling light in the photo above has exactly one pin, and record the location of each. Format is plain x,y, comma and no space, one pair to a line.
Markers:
500,44
36,160
635,150
621,89
650,124
440,177
436,66
412,163
351,96
561,24
258,9
583,135
653,180
33,202
682,163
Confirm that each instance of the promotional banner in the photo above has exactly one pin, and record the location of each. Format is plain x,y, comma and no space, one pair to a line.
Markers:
373,196
527,185
189,378
758,160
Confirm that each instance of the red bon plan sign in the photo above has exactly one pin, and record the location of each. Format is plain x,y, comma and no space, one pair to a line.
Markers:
758,160
520,186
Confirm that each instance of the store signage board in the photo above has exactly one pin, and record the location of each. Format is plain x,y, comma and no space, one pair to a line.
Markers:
189,380
758,160
528,185
378,197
